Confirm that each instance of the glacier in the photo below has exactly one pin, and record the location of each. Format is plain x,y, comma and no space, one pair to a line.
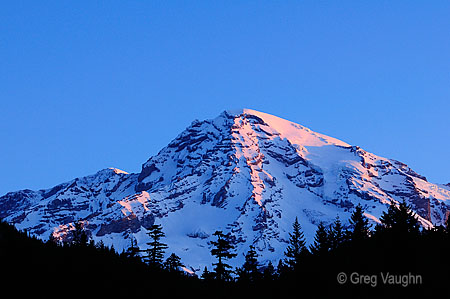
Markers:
244,172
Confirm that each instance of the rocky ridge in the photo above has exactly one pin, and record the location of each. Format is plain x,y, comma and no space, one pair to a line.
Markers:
244,172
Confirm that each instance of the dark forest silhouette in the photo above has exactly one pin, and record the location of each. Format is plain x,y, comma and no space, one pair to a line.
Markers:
396,246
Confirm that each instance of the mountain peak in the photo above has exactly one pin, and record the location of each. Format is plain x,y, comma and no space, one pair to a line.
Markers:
241,111
295,133
246,172
117,170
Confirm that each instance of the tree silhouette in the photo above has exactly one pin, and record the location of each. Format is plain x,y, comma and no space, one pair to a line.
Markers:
269,273
156,249
173,263
206,275
132,251
297,245
322,242
359,225
79,236
399,220
336,234
222,251
249,271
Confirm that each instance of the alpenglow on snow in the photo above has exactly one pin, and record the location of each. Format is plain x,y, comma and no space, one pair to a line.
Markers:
246,173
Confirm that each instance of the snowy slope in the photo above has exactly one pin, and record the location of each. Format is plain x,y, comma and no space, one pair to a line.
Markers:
245,172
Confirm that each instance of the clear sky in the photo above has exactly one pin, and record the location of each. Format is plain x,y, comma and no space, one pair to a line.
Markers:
86,85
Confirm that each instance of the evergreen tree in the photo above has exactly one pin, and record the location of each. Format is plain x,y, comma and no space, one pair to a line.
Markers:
336,234
359,225
100,245
297,245
222,251
112,250
156,249
249,271
173,263
206,275
269,273
399,221
282,269
79,236
322,242
132,251
53,240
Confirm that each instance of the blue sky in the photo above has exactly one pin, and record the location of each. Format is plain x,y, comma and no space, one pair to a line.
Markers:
86,85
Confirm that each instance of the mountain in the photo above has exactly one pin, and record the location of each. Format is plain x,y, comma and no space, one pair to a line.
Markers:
245,172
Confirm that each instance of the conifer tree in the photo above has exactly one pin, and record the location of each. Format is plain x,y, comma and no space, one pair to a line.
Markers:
269,273
399,220
100,245
282,269
132,251
156,249
297,245
359,225
53,240
322,242
336,234
249,271
112,250
206,275
79,236
222,251
173,263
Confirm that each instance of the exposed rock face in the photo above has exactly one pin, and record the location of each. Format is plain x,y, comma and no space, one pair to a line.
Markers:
15,201
245,172
131,223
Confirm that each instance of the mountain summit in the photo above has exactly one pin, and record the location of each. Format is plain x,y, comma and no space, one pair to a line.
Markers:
245,172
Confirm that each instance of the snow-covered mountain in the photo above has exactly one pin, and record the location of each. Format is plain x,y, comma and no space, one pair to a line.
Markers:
245,172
